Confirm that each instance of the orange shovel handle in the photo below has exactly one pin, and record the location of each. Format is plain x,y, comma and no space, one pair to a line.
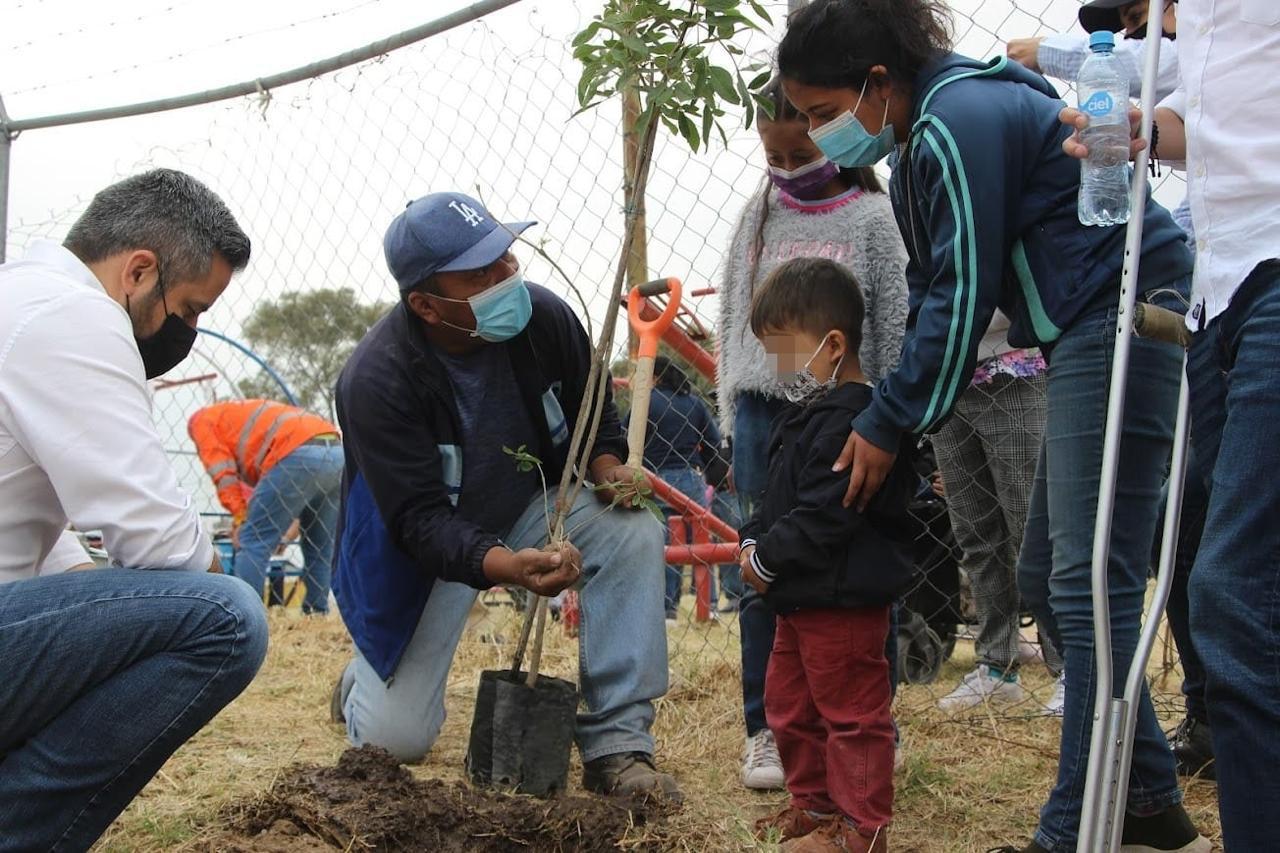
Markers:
650,331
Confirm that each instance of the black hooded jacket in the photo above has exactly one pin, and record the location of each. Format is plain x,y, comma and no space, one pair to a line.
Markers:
817,552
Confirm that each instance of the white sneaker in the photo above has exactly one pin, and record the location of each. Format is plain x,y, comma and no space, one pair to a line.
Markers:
761,764
981,686
1053,708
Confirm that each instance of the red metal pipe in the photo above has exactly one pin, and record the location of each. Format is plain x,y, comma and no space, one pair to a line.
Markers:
710,554
690,508
688,349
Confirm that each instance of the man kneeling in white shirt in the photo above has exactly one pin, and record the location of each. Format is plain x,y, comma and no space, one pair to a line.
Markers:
106,672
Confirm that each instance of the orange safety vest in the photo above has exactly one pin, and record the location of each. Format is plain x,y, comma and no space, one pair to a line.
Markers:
239,441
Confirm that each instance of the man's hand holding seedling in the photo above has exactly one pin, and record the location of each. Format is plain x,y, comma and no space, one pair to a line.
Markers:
617,483
544,572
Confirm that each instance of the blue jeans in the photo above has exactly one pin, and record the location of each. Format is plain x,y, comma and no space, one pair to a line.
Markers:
306,485
725,507
754,413
1195,506
1054,566
622,644
1235,585
105,673
690,482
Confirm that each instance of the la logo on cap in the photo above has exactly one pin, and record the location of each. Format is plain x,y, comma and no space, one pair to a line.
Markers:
467,212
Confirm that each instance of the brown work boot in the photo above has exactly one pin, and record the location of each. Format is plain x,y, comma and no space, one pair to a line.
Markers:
629,774
791,822
839,836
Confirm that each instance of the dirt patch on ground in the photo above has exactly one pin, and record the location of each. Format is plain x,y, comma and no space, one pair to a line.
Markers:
369,802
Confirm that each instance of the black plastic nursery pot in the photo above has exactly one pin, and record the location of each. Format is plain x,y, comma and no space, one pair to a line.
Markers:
521,736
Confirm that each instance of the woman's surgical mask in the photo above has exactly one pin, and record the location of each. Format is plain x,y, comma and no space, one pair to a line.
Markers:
802,387
846,141
501,311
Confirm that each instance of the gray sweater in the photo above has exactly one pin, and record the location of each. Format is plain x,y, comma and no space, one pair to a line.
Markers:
857,230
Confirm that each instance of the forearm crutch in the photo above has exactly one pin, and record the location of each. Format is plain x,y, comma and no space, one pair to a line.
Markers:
1114,720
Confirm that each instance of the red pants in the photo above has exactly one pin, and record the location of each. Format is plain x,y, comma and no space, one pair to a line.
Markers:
826,696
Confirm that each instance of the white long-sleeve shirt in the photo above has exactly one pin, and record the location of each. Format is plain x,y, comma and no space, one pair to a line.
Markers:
77,443
1060,55
1229,53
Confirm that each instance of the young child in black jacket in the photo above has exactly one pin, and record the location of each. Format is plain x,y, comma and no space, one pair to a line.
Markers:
831,573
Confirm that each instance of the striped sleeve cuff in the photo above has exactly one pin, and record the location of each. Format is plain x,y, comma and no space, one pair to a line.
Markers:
757,566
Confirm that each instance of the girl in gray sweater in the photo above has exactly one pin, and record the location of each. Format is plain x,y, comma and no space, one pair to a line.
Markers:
808,207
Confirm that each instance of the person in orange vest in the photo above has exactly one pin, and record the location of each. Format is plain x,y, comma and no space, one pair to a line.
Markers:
272,463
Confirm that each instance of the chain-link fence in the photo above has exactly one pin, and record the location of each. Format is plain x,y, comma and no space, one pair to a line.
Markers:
315,171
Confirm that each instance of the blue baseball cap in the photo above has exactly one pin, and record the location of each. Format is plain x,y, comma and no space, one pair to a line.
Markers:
444,232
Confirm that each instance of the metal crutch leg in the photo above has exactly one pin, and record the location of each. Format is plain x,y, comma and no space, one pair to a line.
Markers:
1114,719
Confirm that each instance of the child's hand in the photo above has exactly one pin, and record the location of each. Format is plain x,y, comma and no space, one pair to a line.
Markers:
749,576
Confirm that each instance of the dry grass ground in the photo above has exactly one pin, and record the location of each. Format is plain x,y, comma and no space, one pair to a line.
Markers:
967,784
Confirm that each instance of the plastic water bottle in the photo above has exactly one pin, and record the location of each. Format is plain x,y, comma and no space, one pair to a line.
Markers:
1104,98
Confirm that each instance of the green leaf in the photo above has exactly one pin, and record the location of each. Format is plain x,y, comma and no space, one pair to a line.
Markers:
722,82
635,45
760,10
689,131
760,80
586,35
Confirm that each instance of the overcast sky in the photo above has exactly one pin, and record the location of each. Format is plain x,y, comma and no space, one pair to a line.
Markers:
316,174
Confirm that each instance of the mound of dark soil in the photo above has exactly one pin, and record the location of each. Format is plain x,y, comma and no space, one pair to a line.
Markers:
368,802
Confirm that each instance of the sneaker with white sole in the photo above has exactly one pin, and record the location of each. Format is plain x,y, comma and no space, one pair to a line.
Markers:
1053,708
761,764
983,685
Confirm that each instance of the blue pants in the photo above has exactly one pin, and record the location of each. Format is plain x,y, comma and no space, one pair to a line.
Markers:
306,485
622,646
756,619
1234,371
105,673
1054,566
725,507
1195,506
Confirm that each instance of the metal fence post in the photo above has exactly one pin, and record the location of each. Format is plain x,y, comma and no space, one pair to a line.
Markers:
6,140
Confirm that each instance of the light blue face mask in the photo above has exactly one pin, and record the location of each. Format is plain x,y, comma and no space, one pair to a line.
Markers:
502,311
845,141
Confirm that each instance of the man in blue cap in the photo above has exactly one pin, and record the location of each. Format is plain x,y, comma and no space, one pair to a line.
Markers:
474,361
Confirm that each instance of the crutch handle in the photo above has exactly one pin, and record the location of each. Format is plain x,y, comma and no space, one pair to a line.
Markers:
1152,321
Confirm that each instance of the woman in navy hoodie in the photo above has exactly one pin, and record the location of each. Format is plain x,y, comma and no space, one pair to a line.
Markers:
986,203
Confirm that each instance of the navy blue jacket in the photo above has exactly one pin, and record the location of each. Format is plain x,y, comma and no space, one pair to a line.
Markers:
402,436
986,202
681,431
820,553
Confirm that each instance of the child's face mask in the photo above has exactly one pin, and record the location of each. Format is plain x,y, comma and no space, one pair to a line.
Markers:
801,386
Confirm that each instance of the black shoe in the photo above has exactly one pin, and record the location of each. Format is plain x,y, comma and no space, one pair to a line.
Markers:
1170,831
1031,847
1192,747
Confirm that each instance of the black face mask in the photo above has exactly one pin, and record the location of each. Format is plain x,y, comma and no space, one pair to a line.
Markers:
1141,32
163,351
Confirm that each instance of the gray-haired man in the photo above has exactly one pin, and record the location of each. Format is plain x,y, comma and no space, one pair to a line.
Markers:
106,672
